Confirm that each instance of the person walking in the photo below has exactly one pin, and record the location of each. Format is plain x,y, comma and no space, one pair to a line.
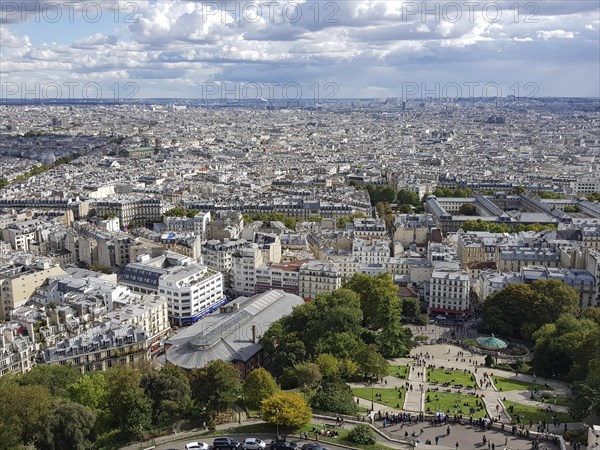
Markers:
456,446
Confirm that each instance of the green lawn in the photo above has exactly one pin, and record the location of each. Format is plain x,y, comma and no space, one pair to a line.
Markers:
453,377
389,397
510,384
454,404
398,371
524,413
342,438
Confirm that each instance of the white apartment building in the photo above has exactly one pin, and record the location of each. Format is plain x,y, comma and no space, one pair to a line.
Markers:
196,224
17,351
132,211
192,290
449,292
278,276
375,251
245,261
317,277
491,281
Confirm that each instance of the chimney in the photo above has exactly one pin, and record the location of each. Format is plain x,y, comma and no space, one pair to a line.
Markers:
254,334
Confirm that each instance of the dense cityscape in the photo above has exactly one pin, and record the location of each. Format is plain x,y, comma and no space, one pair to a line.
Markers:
299,225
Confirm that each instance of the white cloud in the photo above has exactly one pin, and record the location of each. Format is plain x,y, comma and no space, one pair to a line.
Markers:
556,34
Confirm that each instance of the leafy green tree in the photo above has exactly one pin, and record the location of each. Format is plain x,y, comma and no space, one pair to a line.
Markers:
129,407
177,211
520,309
136,411
170,395
69,426
284,348
216,387
410,307
370,362
394,340
90,390
335,397
258,385
4,183
24,411
374,292
467,209
519,190
288,409
406,197
341,345
555,344
405,209
362,434
329,366
56,378
308,375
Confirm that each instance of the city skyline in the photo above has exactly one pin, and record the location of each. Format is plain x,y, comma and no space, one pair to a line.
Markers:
320,50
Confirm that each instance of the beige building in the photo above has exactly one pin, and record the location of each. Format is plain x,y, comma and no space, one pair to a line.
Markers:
18,283
317,277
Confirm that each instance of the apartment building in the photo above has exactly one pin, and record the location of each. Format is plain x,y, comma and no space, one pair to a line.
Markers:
375,251
17,350
101,347
19,282
132,211
192,290
278,276
367,228
579,279
476,247
449,292
245,261
513,258
317,277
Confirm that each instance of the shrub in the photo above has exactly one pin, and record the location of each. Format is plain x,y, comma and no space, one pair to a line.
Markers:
362,434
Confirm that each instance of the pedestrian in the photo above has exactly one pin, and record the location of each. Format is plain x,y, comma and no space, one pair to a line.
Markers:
437,439
448,431
456,445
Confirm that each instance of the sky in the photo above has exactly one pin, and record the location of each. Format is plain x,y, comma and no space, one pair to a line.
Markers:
305,49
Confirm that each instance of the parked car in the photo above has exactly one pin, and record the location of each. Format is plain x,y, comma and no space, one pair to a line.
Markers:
254,444
283,445
226,444
196,446
312,446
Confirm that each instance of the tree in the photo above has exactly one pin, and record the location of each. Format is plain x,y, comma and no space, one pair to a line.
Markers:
393,340
329,366
410,307
467,209
370,362
405,209
28,407
129,407
216,387
137,412
56,378
308,375
177,211
170,395
68,427
362,434
284,348
406,197
259,384
373,293
288,409
520,309
91,390
335,397
555,344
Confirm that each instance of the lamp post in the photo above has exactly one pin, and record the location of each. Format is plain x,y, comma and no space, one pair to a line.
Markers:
372,404
277,421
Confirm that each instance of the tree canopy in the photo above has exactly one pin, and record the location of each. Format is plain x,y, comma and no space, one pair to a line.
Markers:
288,409
518,310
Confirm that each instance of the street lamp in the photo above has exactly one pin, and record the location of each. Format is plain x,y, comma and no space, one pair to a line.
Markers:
277,421
372,404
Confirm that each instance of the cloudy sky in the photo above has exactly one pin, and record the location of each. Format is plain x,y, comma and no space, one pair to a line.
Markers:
309,49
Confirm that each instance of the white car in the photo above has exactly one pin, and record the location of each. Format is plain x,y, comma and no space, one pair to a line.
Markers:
196,446
254,444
